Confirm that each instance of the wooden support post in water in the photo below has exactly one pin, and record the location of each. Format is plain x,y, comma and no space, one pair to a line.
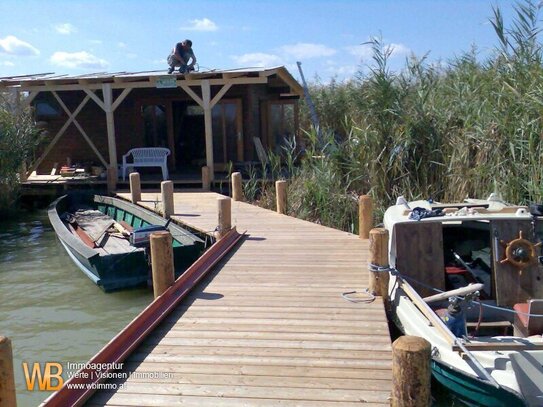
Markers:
7,376
225,216
135,187
237,191
365,216
281,196
166,187
379,258
411,372
162,262
206,180
111,180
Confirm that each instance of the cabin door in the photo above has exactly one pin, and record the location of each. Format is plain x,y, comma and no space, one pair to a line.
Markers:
513,285
227,133
419,254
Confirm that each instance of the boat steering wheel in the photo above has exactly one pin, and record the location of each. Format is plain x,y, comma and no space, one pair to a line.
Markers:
519,252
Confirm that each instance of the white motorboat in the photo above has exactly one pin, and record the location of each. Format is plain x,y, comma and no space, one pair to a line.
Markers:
486,327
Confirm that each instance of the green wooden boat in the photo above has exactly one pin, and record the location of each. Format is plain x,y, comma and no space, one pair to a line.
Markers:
95,231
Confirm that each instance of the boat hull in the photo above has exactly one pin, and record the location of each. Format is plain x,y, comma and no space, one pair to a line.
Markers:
119,271
471,390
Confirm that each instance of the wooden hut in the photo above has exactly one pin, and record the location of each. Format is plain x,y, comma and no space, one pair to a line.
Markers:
205,118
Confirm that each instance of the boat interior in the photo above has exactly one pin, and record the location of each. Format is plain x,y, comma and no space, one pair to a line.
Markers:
502,256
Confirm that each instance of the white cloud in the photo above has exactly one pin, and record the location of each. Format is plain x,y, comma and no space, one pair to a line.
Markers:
65,28
257,59
14,46
7,63
307,50
205,24
121,44
80,59
364,51
96,42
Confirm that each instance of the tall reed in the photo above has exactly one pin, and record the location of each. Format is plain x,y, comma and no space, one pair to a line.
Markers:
460,129
18,138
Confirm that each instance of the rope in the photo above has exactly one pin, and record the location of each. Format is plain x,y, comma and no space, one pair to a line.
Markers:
383,269
370,297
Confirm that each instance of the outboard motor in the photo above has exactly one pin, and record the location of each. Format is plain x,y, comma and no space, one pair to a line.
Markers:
141,237
455,317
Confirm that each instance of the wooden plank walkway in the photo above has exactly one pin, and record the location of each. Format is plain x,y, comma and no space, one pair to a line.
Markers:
268,326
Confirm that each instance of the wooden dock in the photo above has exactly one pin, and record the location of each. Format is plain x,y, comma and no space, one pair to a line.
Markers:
268,325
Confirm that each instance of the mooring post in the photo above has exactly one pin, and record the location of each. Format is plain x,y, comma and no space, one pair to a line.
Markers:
237,191
206,180
411,372
379,258
166,187
135,187
281,196
162,261
7,376
111,180
224,216
365,216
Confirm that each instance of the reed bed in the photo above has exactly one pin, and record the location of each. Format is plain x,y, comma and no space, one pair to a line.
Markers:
464,128
18,139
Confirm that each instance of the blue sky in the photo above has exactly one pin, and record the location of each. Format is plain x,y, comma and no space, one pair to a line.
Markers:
77,37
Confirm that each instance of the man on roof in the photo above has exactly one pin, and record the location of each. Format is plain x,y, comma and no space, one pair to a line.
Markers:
180,56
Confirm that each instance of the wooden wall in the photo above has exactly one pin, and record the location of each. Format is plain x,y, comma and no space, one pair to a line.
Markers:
129,124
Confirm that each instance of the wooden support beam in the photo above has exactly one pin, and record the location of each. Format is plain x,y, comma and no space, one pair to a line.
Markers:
120,98
220,94
83,133
206,96
192,94
71,118
94,97
108,108
31,96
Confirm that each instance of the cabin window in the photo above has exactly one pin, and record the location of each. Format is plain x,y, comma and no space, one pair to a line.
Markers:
46,106
155,127
282,123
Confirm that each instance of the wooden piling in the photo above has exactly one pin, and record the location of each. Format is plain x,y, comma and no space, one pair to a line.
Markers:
206,178
135,187
111,180
7,376
365,216
281,196
237,190
166,187
378,284
411,372
162,262
224,216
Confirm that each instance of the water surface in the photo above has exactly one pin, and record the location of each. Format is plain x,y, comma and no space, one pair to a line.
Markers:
49,309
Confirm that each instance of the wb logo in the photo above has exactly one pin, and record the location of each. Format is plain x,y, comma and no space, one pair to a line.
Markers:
49,380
